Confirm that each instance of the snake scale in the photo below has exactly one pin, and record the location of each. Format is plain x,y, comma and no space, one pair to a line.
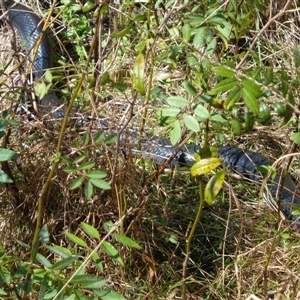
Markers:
245,162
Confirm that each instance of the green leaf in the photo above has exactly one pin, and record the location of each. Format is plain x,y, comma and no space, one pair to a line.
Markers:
89,281
175,133
285,82
4,178
44,234
223,71
60,251
295,137
88,190
96,174
112,252
51,294
234,95
43,260
6,154
139,74
250,101
97,261
70,169
236,126
201,112
213,187
79,159
252,87
76,182
90,230
201,36
205,165
177,101
86,138
191,123
218,118
170,111
269,76
76,239
88,6
101,184
99,136
126,241
296,53
124,31
48,76
41,89
87,165
188,86
111,139
5,275
109,226
186,32
108,295
64,263
224,86
3,293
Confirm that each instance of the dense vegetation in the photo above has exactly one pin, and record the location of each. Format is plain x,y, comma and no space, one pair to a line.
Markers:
84,218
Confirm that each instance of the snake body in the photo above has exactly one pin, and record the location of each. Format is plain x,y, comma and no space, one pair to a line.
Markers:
245,162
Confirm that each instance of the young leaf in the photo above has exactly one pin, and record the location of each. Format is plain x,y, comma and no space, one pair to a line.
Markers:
90,230
205,165
139,74
213,187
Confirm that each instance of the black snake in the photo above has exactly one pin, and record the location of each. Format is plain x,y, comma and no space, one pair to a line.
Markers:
245,162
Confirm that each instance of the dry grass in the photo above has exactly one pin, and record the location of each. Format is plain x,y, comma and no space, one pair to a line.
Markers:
237,253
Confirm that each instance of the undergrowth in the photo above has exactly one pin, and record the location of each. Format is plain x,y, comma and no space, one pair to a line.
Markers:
83,217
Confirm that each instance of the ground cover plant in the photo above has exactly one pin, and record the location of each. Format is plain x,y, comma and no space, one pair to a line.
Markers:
82,217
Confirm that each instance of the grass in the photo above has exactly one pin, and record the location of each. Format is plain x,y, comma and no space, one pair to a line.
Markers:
238,250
